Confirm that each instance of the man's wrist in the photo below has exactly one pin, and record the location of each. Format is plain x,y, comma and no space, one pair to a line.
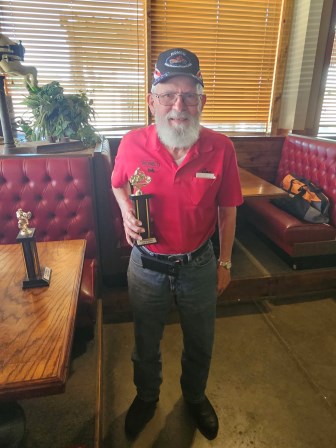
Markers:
226,264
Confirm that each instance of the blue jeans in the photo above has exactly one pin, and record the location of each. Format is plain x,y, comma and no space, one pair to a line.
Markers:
152,295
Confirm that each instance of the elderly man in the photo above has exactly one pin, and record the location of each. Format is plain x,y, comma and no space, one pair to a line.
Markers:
194,185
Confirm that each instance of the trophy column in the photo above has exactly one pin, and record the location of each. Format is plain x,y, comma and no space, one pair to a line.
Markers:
36,277
141,206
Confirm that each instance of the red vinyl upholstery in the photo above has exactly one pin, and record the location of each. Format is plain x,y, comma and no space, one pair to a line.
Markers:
314,159
58,192
282,228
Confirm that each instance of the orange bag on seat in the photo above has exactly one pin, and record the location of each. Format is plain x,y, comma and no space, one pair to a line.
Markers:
305,201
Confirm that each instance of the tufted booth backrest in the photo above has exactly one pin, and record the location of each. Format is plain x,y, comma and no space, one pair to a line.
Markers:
56,190
314,159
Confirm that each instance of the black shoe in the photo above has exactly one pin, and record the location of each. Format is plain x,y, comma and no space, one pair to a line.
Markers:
205,418
138,415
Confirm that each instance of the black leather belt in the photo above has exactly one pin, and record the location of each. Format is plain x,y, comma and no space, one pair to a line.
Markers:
181,259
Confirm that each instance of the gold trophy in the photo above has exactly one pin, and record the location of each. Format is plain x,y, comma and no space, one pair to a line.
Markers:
141,205
36,277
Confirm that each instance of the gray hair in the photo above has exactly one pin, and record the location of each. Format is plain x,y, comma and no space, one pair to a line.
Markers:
199,89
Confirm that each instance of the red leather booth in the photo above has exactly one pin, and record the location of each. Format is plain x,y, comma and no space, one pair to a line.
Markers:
305,244
58,192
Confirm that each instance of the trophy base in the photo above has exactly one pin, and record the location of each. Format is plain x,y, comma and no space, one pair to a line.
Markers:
145,241
38,282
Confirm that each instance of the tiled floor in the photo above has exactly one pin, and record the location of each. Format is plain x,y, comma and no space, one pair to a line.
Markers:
272,381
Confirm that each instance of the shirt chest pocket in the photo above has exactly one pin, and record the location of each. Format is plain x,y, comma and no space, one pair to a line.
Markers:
202,190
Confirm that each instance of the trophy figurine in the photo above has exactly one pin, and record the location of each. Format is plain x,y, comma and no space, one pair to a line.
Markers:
36,277
141,205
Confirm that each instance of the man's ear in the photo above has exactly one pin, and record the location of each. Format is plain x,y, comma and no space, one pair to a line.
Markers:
203,101
150,102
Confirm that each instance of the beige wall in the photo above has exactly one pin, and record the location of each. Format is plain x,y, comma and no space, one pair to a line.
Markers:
306,53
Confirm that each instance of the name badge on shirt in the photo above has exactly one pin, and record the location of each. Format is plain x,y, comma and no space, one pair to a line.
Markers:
205,176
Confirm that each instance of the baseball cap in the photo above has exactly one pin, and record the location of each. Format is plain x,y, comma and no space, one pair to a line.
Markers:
174,62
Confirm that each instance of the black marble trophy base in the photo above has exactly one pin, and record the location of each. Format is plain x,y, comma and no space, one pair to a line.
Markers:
38,282
141,206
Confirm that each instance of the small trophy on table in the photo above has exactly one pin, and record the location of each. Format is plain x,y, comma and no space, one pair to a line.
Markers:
36,277
141,205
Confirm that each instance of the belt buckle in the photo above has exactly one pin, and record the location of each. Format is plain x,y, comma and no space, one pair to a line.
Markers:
174,259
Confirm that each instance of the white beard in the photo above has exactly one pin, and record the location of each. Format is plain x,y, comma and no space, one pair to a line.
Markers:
177,136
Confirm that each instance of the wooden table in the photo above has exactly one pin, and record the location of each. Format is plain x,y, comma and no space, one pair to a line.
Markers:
253,185
36,325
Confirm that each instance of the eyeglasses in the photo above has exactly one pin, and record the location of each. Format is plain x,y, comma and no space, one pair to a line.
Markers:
169,99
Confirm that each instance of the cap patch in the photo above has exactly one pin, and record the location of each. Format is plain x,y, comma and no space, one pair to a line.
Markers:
178,59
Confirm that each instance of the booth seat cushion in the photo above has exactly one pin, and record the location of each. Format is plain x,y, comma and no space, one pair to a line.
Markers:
282,228
86,309
87,292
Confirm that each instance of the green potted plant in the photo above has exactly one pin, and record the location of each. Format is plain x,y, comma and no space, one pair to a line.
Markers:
57,116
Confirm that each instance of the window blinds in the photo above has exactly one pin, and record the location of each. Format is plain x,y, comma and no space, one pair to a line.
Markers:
236,42
327,127
101,47
94,46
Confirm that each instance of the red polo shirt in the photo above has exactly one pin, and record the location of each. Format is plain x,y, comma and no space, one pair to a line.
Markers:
186,197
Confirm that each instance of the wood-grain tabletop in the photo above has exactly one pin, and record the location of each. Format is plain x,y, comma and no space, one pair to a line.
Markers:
253,185
36,325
